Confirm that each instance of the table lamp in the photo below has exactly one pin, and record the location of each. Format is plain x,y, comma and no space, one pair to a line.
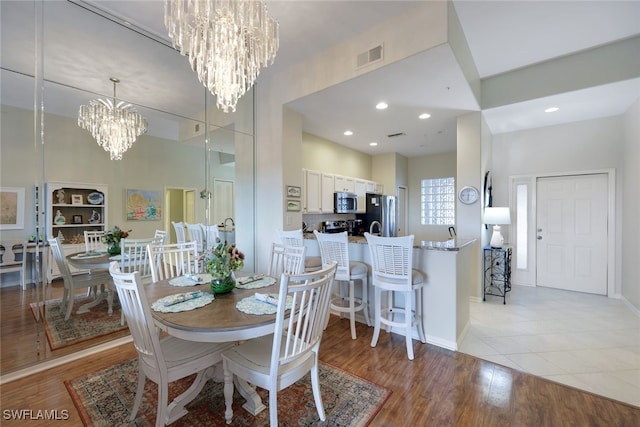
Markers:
497,217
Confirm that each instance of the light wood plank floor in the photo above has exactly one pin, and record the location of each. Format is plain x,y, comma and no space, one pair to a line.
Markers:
438,388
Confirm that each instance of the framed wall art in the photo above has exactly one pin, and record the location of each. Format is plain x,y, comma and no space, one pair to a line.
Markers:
293,205
11,208
143,205
76,199
76,219
293,191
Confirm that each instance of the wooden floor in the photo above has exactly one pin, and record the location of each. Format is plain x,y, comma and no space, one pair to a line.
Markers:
438,388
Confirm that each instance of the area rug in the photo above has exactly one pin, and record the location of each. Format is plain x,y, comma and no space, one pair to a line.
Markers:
80,327
105,398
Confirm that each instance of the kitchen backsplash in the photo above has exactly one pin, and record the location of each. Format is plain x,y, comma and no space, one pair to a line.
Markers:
314,221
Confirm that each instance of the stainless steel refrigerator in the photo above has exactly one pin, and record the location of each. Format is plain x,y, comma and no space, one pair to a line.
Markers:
383,209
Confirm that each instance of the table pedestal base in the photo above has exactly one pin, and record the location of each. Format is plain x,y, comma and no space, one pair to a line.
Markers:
100,296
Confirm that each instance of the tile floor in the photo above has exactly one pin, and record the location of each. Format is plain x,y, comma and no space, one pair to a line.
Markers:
585,341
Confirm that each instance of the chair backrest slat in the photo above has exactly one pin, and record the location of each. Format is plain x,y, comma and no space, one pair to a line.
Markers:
334,247
134,256
93,240
306,297
196,233
286,259
181,233
12,253
392,258
173,260
292,237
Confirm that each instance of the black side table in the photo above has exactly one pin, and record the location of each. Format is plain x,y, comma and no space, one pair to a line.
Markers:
497,272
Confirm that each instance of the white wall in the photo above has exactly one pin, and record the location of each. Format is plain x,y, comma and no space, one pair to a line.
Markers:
631,206
574,147
327,156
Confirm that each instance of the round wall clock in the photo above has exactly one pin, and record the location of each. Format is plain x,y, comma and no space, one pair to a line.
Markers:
468,195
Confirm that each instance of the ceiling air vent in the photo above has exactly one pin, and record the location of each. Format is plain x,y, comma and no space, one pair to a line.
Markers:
372,55
393,135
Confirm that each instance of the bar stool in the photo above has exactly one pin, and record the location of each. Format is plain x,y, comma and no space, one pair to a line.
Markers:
392,272
334,247
296,238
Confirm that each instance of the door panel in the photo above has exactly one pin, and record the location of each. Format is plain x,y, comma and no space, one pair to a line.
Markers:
572,233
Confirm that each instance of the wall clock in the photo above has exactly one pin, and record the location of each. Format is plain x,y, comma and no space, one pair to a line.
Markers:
468,195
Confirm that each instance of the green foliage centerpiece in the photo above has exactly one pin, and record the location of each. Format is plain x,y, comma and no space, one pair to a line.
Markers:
112,239
221,262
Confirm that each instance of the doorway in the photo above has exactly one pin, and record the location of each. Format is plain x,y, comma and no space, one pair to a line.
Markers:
180,207
563,231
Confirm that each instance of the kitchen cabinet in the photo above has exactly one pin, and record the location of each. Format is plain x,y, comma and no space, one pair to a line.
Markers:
327,189
360,188
372,186
313,191
344,183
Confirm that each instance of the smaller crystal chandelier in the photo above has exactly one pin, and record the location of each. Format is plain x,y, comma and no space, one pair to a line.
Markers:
115,126
227,42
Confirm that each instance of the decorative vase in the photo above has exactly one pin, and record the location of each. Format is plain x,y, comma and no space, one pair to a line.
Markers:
113,248
223,285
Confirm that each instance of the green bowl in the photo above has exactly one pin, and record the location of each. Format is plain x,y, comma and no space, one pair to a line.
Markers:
223,286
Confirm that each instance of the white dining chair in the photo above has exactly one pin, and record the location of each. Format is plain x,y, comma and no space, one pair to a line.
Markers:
274,362
286,259
334,247
162,360
181,231
212,236
99,279
93,241
392,272
13,255
296,238
196,233
163,235
173,260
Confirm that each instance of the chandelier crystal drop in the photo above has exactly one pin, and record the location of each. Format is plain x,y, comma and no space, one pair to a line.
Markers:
115,126
227,43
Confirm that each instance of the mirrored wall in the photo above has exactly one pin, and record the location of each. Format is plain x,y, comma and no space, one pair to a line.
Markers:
58,55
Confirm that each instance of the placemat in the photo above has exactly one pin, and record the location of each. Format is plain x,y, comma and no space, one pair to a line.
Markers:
262,282
251,305
187,280
191,304
88,255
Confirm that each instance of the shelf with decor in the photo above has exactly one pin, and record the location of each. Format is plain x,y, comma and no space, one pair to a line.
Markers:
72,209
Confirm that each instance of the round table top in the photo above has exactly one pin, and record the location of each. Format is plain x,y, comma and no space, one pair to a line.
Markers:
89,262
219,321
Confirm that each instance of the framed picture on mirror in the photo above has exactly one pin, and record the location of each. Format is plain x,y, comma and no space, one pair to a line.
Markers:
76,199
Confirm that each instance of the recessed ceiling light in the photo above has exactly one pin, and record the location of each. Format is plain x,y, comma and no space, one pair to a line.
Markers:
348,133
551,110
424,116
373,144
381,105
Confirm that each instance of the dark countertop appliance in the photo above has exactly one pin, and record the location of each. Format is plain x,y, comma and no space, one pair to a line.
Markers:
334,226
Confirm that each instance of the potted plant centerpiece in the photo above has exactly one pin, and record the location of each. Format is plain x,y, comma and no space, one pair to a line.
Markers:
112,239
221,262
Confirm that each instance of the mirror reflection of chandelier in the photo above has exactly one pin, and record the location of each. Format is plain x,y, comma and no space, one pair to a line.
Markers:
115,126
227,43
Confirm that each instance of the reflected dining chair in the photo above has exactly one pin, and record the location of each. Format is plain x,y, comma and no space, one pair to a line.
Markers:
196,233
181,233
212,236
173,260
296,238
334,247
286,259
274,362
393,273
13,255
163,235
93,241
97,280
162,360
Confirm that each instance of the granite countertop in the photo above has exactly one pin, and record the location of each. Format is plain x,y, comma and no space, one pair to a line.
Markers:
443,245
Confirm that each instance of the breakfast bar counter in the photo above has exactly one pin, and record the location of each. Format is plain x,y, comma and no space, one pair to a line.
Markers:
447,266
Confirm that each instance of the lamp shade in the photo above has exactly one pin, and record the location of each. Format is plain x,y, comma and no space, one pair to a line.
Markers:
497,216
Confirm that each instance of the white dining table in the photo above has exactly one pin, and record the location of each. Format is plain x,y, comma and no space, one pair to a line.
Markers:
219,321
98,263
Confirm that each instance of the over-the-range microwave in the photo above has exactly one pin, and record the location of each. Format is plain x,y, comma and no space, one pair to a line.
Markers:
345,202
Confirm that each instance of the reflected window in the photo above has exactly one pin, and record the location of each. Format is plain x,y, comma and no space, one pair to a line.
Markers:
438,201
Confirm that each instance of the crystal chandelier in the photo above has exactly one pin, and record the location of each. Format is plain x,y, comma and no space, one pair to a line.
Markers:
227,43
115,126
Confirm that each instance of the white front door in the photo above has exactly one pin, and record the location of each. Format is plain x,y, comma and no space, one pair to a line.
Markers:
572,233
223,200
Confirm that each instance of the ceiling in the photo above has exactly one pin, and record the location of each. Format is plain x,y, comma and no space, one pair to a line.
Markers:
502,36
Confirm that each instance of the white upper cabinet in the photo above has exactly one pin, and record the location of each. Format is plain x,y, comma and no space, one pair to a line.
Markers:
344,183
326,199
313,191
361,191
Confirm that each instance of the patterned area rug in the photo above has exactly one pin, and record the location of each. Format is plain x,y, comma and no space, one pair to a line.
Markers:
105,398
80,327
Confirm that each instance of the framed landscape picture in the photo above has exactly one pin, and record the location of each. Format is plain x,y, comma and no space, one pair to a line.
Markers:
11,208
143,205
